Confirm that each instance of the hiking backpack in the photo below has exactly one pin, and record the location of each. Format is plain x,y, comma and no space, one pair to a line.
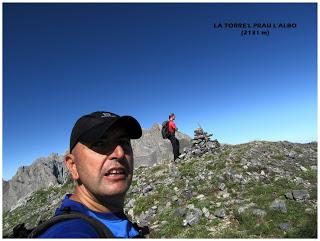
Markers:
20,231
165,129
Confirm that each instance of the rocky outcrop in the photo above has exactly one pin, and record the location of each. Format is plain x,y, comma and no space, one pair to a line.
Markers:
44,172
151,148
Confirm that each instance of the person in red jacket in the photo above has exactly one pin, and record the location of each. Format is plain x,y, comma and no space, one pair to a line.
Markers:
174,141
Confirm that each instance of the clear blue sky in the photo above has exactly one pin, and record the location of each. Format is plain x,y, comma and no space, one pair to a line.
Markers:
61,61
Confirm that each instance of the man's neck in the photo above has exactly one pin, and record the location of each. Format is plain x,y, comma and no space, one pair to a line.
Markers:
93,203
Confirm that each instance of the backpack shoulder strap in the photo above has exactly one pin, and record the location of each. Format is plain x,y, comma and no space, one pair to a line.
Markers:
19,231
143,231
102,230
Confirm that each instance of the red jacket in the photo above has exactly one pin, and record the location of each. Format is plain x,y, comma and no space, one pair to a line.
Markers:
172,127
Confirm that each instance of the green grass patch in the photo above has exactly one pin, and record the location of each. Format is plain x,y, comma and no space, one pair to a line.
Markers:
278,157
188,170
208,158
313,194
309,175
156,168
143,204
253,169
264,194
307,228
211,167
196,231
171,228
221,164
268,227
298,150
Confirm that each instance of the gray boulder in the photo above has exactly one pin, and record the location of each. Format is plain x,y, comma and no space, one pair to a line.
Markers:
220,213
259,213
279,205
193,217
289,195
285,226
300,195
180,212
309,211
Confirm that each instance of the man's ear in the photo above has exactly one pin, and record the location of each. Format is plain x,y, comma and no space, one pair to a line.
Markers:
69,160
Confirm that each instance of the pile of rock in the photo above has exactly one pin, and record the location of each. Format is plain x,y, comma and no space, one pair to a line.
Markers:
201,144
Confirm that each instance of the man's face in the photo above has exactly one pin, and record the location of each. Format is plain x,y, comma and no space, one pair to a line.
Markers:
105,167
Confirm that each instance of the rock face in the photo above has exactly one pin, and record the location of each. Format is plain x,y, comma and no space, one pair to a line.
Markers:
151,148
44,172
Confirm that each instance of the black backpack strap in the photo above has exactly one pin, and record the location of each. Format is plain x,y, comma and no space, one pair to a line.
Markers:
102,230
19,231
143,231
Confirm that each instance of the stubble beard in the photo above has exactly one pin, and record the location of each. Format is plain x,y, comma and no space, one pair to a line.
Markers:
114,199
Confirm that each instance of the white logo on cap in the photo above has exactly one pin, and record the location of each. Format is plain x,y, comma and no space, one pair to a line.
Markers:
107,114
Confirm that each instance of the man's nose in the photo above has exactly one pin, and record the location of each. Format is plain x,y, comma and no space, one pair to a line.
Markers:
118,152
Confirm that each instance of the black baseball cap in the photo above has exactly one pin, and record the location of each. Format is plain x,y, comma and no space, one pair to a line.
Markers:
90,128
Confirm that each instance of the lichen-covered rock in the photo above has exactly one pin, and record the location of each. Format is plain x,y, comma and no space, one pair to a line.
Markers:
300,195
279,205
285,226
220,213
193,217
259,213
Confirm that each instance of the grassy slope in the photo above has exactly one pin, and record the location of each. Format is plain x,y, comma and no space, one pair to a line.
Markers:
166,224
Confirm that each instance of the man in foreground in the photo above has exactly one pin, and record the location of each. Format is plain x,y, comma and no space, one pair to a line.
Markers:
101,164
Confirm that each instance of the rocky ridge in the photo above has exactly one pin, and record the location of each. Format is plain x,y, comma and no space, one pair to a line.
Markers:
254,190
44,172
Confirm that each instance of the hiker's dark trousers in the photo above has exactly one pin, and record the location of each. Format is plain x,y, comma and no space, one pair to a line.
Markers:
175,146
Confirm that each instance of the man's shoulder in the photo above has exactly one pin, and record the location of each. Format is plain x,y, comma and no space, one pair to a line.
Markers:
171,123
73,228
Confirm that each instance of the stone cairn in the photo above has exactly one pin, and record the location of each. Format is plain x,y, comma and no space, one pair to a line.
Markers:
201,144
